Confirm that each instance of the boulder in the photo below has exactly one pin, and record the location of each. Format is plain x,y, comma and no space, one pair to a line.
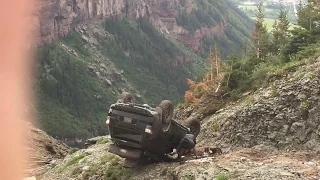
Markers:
107,82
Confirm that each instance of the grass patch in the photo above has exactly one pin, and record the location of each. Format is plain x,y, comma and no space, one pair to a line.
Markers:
72,161
103,140
221,176
269,23
110,158
274,92
215,126
109,167
304,105
249,100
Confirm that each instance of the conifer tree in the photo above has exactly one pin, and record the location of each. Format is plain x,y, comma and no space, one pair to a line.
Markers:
308,15
274,47
260,35
280,32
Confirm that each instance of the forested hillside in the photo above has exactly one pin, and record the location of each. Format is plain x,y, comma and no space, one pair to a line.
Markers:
266,58
229,27
74,99
151,56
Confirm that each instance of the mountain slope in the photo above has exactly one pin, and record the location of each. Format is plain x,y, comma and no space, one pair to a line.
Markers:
96,49
271,134
83,73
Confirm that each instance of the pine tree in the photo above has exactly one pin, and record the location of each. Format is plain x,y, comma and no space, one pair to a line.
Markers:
280,32
260,35
283,25
308,16
230,62
275,38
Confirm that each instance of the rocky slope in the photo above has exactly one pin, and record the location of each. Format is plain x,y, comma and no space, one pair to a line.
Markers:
283,114
260,162
270,134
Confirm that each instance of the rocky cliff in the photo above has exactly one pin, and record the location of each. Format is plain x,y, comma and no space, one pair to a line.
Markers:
57,17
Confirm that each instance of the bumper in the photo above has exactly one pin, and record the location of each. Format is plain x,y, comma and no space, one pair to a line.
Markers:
126,143
125,152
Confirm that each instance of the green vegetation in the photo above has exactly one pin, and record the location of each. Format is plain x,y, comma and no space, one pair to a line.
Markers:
73,103
103,141
304,105
270,8
151,62
269,56
231,32
274,92
110,168
72,161
222,176
269,23
67,95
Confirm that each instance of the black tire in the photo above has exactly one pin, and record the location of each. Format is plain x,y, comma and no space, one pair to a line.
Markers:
125,97
194,125
167,113
157,124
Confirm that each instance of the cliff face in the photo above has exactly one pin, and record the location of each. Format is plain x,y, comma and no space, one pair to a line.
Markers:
57,17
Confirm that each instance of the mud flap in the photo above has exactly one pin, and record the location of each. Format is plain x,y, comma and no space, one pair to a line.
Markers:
128,153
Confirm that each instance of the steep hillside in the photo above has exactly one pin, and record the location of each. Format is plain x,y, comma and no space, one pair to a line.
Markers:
93,50
283,114
42,151
270,134
83,73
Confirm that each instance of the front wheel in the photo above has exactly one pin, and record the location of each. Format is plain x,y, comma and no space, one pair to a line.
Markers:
167,113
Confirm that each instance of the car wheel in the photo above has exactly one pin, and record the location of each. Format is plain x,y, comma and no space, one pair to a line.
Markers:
167,113
125,97
194,126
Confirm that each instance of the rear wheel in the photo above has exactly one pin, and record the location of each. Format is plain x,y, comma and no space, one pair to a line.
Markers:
167,113
125,97
194,126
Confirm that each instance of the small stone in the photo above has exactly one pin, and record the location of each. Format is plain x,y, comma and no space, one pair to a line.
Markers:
85,38
243,159
302,96
107,82
85,168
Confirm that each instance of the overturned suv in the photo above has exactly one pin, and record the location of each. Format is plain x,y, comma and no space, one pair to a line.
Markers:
140,132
